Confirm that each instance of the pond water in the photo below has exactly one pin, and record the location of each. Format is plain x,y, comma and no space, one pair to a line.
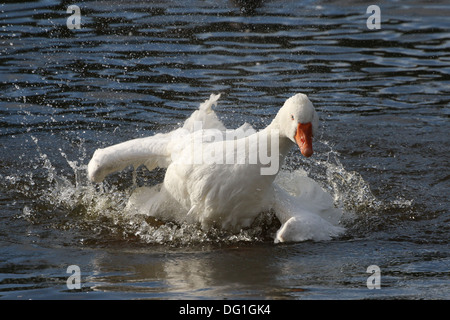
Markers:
135,68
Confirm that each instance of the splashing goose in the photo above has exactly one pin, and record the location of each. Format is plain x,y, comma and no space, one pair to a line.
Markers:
225,178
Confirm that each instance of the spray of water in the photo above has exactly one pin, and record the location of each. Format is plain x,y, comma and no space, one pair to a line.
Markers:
100,210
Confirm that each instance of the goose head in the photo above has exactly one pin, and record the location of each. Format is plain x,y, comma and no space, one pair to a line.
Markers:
298,121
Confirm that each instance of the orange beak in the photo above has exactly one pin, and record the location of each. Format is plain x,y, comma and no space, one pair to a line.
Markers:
303,137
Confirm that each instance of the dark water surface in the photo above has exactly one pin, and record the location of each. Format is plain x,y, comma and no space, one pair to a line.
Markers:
140,67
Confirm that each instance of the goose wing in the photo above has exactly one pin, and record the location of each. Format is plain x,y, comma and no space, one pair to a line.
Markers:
154,151
151,151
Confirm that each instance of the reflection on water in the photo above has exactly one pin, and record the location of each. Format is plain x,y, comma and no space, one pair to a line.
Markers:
136,68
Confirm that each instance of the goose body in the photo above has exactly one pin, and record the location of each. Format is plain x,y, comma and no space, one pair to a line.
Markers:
225,178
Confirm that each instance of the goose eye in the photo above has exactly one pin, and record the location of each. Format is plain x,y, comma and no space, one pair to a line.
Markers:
292,117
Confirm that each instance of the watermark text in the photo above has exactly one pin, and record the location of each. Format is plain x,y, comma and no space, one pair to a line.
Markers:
374,21
213,146
74,21
73,281
374,281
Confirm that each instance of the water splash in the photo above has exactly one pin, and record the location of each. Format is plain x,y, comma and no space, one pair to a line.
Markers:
363,211
100,213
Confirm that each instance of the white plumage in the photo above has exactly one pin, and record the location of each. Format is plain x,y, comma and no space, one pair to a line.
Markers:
225,178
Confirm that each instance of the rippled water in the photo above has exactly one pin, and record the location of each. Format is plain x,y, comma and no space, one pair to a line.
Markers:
139,67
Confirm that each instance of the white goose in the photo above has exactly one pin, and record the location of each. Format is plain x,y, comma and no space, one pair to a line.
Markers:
221,178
